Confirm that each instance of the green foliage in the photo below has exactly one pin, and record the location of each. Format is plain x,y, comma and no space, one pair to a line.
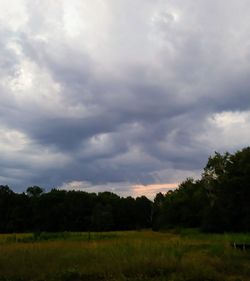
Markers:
229,195
102,218
60,210
218,202
34,191
143,215
182,207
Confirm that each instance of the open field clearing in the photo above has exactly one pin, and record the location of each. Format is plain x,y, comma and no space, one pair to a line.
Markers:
142,255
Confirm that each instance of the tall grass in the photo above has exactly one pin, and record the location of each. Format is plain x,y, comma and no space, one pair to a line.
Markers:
176,256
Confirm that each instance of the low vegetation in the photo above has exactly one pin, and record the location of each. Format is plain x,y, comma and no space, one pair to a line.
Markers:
143,255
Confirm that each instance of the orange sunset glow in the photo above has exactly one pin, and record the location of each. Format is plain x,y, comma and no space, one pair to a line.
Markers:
152,189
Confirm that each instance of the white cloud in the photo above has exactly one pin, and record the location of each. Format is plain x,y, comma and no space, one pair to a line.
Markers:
227,131
13,14
122,189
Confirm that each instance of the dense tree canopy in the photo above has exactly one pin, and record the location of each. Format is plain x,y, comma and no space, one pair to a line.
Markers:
219,201
60,210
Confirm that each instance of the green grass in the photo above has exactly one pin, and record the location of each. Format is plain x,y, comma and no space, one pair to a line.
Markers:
144,255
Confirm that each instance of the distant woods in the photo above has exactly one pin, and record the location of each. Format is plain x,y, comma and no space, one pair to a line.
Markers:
218,202
60,210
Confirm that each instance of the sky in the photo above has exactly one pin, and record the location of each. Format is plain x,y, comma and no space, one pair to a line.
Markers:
127,96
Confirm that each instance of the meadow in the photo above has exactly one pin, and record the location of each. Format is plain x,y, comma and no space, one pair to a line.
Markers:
134,255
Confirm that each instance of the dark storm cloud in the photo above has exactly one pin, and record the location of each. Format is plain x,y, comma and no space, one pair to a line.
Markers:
89,97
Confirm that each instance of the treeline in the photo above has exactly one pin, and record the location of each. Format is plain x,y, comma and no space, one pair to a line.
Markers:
60,210
218,202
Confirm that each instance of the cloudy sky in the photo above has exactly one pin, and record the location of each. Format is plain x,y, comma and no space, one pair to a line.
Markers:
130,96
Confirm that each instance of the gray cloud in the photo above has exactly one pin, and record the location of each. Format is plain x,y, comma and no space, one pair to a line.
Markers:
106,93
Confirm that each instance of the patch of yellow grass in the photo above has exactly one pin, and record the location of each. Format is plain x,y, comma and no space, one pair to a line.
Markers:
145,255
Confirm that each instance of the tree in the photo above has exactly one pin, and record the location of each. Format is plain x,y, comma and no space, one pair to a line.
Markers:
143,215
227,181
6,198
219,201
102,218
157,211
34,191
182,207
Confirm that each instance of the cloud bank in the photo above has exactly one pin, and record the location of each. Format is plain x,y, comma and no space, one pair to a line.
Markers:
120,93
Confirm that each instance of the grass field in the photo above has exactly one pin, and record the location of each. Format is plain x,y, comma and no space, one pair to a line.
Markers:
143,255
